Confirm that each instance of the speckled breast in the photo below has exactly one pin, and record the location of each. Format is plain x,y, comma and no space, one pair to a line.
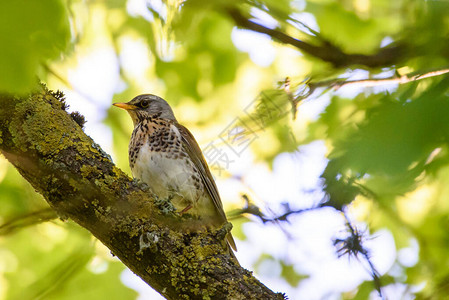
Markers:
157,157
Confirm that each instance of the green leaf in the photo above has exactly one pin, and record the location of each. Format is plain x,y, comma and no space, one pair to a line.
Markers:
31,33
391,145
347,29
290,275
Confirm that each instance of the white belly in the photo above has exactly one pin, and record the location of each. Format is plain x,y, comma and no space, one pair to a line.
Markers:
167,176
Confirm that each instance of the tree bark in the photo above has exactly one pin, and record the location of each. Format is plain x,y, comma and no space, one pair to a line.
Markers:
80,182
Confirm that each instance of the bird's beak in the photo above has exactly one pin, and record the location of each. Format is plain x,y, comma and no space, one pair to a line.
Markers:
125,106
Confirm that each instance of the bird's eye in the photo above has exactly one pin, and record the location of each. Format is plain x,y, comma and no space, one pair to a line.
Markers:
144,103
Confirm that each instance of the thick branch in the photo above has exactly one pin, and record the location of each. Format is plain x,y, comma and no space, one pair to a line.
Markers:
326,52
80,182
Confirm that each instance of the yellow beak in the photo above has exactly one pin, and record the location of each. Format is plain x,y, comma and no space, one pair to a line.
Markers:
125,106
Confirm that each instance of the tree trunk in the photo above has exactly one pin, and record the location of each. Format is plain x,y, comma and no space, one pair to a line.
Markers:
80,182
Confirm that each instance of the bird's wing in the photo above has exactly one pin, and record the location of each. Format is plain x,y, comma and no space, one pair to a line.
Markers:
195,154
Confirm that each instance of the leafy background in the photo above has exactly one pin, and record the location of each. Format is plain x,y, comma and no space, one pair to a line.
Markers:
380,153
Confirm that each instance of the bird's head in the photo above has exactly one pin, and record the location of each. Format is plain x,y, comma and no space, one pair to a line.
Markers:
147,106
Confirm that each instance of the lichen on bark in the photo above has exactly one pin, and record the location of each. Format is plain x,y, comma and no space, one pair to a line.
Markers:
79,181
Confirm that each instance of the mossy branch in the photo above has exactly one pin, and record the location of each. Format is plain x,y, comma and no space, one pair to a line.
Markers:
80,182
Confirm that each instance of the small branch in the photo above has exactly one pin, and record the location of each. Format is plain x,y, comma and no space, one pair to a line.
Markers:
337,84
308,88
28,219
327,51
254,210
286,87
353,246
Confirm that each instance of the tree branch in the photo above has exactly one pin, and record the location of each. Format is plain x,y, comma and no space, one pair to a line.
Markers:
80,182
338,83
327,52
308,88
29,219
254,210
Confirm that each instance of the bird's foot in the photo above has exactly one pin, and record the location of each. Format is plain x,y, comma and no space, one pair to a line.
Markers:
224,230
165,205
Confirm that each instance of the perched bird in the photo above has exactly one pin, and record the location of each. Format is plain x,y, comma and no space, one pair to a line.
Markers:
165,155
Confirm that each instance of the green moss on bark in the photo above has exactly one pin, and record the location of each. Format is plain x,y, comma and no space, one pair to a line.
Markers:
174,255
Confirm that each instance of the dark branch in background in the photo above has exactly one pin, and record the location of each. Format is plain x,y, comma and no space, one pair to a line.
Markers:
254,210
353,246
327,52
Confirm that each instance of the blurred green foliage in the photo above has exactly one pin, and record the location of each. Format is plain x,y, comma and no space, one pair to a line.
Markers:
387,149
31,33
393,142
52,260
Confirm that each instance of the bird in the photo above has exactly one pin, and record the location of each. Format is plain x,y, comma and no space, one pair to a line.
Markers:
165,155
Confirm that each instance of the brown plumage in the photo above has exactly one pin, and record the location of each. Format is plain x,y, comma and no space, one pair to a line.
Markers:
165,156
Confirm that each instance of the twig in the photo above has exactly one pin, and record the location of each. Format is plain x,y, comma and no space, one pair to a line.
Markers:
66,82
337,84
327,51
254,210
353,246
310,87
293,101
28,219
